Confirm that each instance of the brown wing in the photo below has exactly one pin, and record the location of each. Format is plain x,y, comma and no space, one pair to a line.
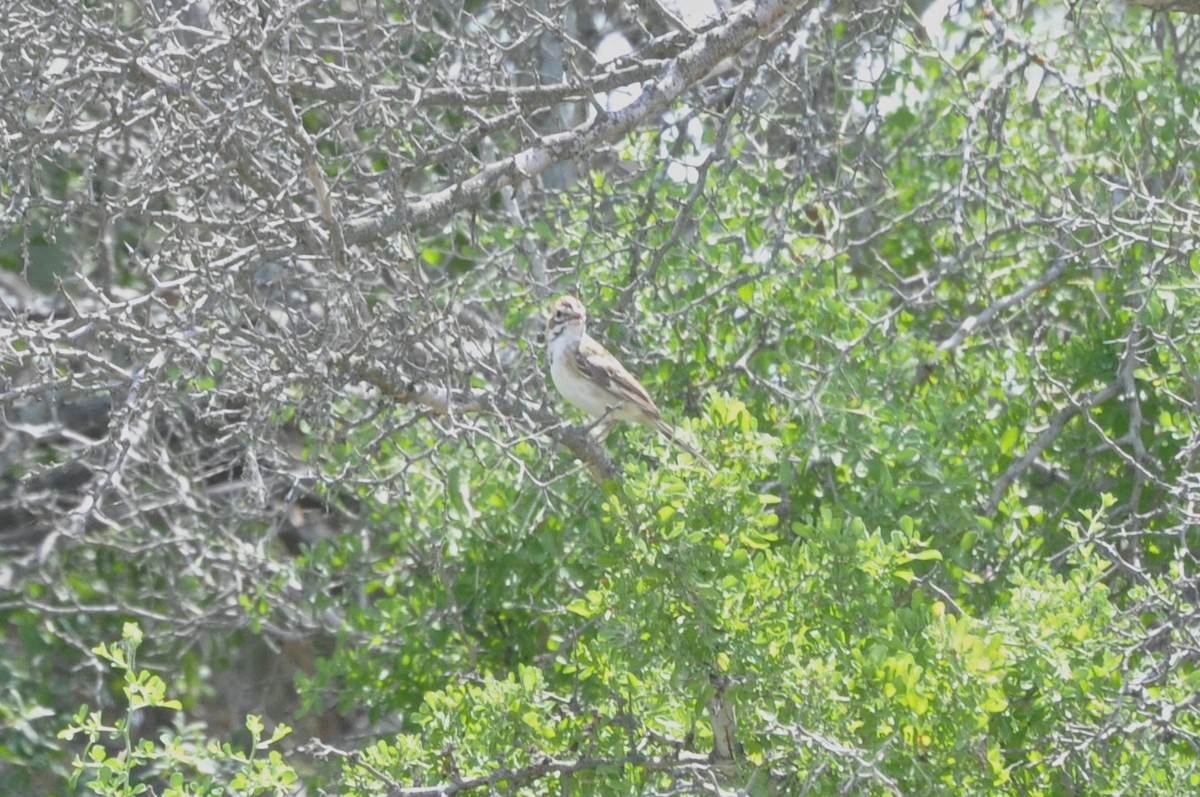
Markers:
595,363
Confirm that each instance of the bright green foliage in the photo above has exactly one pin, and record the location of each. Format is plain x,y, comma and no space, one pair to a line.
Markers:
179,764
946,367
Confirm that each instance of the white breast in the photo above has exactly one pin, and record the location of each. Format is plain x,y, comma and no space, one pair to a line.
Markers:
574,388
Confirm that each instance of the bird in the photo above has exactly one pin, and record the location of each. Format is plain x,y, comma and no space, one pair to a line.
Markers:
591,378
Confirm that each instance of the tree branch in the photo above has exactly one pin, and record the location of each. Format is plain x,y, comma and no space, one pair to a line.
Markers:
512,776
977,322
751,19
1183,6
1053,430
576,440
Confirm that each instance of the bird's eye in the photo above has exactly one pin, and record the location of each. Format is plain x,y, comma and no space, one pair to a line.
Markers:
558,314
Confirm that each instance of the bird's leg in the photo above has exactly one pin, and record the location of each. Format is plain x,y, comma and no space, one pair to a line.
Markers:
605,423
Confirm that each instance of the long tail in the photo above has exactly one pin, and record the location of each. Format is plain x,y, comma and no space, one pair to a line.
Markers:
668,431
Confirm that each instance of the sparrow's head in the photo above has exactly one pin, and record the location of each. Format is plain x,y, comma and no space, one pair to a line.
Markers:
567,314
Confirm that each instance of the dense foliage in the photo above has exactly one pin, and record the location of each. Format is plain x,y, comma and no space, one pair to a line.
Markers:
927,297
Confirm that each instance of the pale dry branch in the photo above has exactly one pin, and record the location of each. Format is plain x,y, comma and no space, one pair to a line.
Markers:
587,448
747,22
979,322
1054,428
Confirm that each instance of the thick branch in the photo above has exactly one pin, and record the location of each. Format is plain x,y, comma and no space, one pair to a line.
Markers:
508,777
977,322
477,95
1183,6
1053,430
751,19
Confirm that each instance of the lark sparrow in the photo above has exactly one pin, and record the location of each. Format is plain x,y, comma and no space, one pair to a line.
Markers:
592,379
